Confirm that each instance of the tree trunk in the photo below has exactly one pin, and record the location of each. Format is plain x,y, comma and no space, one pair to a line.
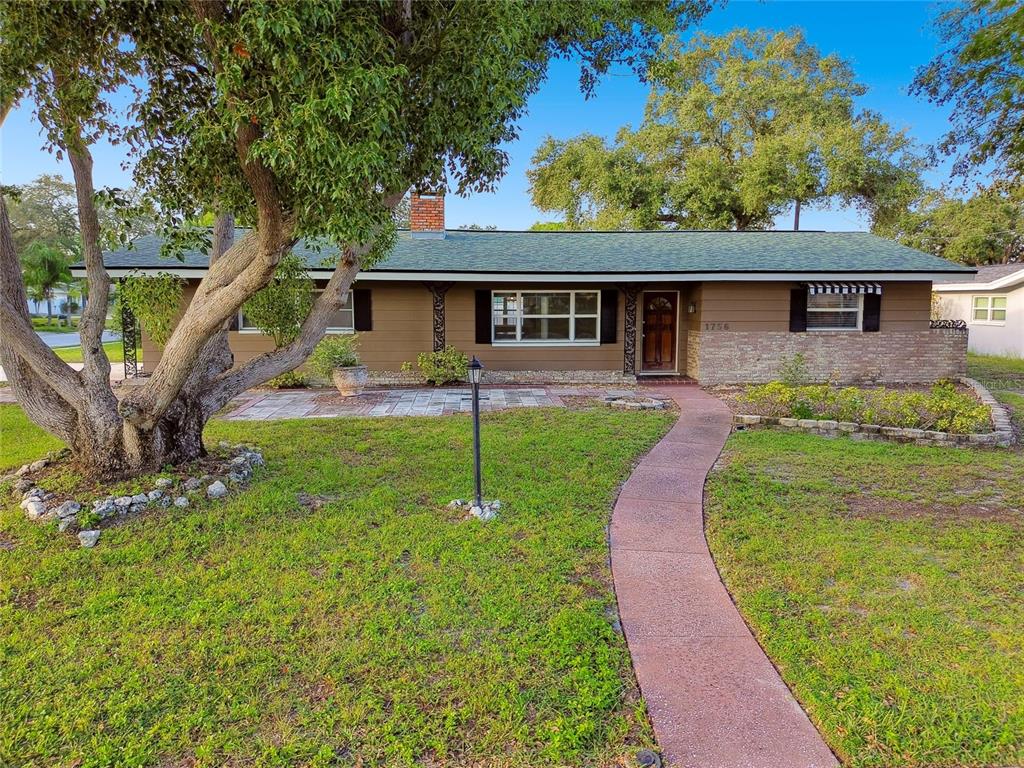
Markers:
49,309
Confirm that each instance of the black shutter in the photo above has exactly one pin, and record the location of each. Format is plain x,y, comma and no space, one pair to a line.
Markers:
872,311
798,310
362,306
483,317
609,315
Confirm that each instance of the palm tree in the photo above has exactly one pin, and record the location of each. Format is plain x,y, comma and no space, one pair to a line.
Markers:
44,267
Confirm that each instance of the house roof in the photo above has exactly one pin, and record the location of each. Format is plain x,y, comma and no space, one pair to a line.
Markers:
696,254
988,278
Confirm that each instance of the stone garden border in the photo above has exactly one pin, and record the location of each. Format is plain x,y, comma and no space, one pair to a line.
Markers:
1001,436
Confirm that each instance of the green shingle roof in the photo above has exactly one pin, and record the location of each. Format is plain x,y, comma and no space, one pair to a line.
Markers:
609,252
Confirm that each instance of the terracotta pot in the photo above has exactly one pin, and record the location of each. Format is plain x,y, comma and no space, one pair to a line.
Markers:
350,381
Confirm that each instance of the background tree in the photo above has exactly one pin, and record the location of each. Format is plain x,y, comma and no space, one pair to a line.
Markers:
307,120
45,268
737,129
44,210
981,74
987,228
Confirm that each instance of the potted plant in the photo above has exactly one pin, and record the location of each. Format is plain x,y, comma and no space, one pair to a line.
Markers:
335,358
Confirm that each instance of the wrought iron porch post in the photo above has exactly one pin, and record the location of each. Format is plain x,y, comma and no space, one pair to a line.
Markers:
437,292
629,329
129,338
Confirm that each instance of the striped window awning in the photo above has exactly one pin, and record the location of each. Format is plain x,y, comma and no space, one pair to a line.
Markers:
814,288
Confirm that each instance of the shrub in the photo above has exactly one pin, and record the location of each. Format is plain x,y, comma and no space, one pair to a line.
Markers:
289,380
334,352
280,308
442,367
793,370
943,408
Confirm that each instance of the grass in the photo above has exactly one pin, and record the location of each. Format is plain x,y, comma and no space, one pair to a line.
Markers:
40,324
375,629
114,349
21,441
1004,377
886,583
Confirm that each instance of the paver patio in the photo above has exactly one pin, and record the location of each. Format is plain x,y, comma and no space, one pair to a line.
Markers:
258,405
714,698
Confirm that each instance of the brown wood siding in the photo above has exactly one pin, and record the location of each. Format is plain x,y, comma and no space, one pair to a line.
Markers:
403,324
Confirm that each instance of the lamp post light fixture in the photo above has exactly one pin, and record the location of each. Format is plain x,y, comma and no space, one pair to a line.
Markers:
474,373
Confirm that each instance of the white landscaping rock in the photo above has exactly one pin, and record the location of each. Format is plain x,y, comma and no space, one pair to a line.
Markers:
123,502
88,538
217,490
164,483
140,498
67,509
34,509
35,466
155,494
181,501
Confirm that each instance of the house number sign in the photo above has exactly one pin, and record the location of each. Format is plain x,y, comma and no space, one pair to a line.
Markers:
716,326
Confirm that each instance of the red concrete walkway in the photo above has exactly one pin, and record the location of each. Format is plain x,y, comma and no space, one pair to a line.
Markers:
715,699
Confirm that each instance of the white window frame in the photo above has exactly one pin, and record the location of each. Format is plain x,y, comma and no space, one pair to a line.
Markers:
811,311
242,328
519,341
989,298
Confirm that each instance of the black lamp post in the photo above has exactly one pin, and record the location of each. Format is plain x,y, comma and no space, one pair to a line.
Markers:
474,373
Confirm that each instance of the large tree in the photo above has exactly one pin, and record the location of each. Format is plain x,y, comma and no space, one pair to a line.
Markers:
738,128
985,228
304,119
981,75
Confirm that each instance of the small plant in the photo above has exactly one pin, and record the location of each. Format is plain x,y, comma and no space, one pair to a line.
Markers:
334,352
289,380
442,367
280,309
793,370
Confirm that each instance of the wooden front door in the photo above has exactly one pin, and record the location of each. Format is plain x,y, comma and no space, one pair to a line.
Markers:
659,331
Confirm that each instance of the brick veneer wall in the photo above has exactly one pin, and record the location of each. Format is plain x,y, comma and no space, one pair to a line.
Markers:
901,356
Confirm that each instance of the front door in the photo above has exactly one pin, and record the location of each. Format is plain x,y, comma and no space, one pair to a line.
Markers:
659,331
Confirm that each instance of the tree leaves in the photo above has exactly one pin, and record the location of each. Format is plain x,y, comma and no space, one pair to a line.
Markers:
736,129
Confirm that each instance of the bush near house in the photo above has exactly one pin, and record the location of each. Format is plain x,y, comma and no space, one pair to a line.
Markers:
943,408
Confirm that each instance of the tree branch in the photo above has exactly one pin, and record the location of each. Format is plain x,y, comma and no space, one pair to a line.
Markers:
96,370
290,356
21,345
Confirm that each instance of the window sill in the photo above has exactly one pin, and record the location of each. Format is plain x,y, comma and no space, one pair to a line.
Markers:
997,323
545,343
833,330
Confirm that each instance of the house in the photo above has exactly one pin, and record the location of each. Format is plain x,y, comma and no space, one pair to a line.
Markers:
991,303
717,307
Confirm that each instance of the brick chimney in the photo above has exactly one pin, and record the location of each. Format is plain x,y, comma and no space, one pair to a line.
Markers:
426,214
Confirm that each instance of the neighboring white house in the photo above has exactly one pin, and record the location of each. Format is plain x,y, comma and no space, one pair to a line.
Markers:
992,304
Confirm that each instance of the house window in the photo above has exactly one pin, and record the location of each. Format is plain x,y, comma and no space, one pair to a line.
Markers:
545,317
834,311
990,309
341,321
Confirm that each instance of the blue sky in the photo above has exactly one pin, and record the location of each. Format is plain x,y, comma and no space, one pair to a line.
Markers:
885,41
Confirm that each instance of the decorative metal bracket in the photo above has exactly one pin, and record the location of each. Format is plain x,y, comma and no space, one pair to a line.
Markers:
129,339
958,325
437,291
631,291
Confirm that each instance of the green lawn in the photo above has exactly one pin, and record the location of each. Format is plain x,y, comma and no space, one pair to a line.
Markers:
40,324
887,584
1004,377
115,352
375,630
